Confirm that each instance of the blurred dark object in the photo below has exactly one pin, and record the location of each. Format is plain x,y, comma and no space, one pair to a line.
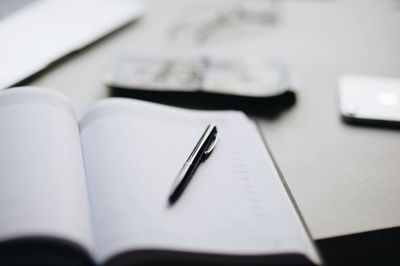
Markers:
379,247
254,86
42,251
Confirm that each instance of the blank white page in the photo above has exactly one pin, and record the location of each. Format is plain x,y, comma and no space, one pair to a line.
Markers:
42,184
235,203
55,29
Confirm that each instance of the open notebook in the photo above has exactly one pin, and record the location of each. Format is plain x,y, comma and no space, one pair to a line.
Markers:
98,186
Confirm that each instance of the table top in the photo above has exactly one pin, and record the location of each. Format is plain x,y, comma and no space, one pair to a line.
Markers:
345,179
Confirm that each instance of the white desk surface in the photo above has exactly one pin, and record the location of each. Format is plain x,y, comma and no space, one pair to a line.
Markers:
345,179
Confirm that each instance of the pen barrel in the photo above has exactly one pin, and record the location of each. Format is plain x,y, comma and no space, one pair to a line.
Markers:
200,152
183,173
182,180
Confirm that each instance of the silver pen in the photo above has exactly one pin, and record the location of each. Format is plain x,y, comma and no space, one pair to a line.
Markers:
200,153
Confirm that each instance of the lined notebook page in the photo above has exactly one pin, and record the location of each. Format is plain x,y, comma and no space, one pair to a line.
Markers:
235,203
42,181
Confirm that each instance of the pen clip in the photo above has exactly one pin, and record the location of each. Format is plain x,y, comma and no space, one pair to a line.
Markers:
210,148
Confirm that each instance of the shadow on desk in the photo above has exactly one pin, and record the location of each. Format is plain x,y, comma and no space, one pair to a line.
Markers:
381,247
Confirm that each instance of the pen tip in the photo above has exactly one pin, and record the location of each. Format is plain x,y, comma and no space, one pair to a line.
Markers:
171,201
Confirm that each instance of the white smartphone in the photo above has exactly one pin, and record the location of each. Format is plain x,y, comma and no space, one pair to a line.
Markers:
370,100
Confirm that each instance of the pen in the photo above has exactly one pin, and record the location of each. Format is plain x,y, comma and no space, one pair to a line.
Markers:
200,153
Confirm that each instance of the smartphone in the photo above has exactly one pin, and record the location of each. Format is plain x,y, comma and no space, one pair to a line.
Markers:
368,100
